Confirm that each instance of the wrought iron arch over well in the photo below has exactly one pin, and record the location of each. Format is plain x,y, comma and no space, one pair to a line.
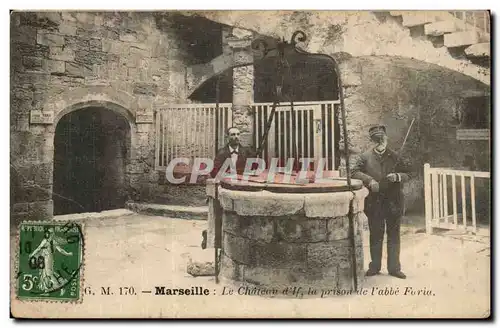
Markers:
302,76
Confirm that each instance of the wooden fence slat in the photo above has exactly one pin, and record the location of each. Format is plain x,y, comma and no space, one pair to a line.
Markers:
455,210
173,133
440,192
164,157
325,134
194,142
445,192
473,203
435,197
428,199
280,132
272,136
305,134
157,139
205,127
464,209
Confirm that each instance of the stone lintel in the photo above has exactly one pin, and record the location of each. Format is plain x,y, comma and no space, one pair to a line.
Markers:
327,204
261,202
226,201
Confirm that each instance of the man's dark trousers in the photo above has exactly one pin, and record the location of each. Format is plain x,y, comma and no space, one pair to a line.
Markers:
380,219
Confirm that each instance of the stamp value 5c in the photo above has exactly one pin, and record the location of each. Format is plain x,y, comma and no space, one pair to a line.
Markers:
50,259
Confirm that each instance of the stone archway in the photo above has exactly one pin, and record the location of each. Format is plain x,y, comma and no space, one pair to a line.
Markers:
91,152
103,120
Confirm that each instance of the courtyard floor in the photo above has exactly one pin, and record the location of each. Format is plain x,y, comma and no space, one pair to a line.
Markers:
142,252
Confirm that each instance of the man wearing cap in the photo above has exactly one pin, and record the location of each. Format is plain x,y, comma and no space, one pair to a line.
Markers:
383,173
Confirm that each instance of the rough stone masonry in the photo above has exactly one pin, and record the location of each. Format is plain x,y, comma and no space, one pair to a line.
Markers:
61,62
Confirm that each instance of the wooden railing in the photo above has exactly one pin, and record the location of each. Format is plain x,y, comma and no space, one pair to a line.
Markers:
443,212
189,131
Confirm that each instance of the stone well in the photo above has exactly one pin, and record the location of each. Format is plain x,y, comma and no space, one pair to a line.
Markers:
277,236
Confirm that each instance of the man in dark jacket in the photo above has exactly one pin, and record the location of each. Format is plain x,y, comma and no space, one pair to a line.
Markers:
234,151
383,174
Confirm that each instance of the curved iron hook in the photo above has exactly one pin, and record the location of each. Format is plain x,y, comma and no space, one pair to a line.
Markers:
298,36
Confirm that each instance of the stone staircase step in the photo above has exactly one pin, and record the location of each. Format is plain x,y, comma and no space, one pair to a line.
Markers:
94,215
171,211
411,19
440,28
396,13
460,39
478,50
484,37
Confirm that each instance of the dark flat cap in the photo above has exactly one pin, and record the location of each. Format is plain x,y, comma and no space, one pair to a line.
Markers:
376,131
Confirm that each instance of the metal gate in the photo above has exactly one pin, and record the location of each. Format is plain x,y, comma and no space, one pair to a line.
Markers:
312,134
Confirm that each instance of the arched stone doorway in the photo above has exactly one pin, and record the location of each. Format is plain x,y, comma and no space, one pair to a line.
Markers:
92,147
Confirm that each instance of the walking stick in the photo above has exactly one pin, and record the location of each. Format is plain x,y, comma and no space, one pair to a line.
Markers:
403,145
384,182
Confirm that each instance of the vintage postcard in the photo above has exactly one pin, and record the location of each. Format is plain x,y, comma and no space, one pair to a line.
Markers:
250,164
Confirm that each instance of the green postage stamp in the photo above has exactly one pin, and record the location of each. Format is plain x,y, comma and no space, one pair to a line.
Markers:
49,261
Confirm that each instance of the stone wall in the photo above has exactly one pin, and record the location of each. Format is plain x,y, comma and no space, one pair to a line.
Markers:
393,91
60,62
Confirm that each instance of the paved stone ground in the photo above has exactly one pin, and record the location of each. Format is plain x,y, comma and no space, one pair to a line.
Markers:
147,251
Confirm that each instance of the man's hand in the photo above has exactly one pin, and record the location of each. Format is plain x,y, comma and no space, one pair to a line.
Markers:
392,177
374,187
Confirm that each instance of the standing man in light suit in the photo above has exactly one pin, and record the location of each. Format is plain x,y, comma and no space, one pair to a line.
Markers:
383,173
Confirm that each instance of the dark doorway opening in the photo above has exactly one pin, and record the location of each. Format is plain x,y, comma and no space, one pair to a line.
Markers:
91,147
476,113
